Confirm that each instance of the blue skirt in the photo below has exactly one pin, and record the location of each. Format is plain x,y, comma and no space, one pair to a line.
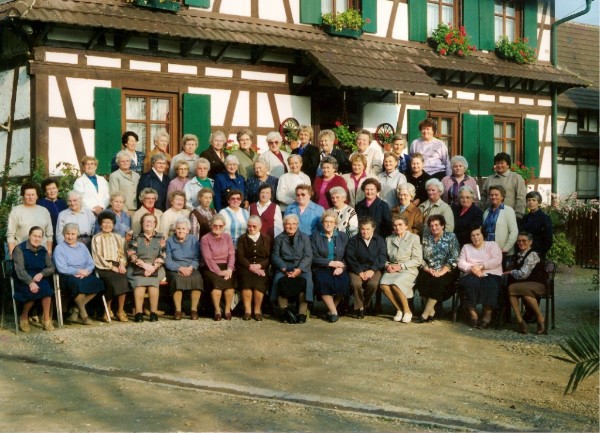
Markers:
328,284
76,286
482,291
24,294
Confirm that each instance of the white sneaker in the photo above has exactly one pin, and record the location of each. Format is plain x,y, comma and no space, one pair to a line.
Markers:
398,316
407,318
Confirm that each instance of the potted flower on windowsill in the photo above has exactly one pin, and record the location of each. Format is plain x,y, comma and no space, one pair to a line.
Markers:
527,173
348,23
344,138
168,5
518,51
448,40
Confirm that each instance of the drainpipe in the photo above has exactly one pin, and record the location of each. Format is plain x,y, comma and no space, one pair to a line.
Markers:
554,59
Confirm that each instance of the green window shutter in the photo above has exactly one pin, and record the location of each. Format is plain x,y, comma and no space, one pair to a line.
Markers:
107,126
530,24
369,13
470,143
414,117
471,20
486,26
486,145
531,144
310,11
417,20
198,3
196,118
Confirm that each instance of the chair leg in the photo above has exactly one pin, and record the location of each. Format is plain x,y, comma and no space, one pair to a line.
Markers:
58,298
15,312
106,309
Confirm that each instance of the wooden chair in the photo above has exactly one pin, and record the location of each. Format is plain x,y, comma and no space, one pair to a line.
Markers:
549,296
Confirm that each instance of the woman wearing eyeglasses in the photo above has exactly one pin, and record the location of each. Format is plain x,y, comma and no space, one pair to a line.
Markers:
276,159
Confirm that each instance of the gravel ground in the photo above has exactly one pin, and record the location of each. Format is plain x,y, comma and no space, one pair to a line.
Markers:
355,375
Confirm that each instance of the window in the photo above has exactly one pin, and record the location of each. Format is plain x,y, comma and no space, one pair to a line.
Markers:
587,121
339,5
507,137
507,21
447,124
441,11
146,113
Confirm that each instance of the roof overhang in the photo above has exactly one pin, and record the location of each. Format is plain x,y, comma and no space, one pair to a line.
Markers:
591,141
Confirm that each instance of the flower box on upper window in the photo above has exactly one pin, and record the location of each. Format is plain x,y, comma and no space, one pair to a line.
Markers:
168,5
348,23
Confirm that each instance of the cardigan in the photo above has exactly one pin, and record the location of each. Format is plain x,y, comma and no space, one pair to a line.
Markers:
463,223
506,229
319,243
490,256
250,252
438,208
125,183
361,258
151,180
515,188
216,163
92,197
380,212
336,180
539,224
276,168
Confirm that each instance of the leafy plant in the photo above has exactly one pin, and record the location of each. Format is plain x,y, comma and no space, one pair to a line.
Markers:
448,40
231,146
581,350
68,174
344,137
562,251
11,196
527,173
518,51
595,282
349,19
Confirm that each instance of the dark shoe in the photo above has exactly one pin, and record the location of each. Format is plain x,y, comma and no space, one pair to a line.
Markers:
332,318
301,318
228,316
360,314
431,319
153,317
218,317
247,316
377,310
139,317
522,327
258,317
289,316
422,319
193,315
474,323
178,315
541,328
484,324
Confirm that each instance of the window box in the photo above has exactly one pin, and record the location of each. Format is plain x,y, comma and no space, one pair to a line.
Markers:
346,33
167,5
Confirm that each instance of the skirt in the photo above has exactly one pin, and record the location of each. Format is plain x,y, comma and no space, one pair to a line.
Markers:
438,288
24,294
142,281
328,284
217,281
82,286
178,282
116,284
249,280
531,289
482,291
404,280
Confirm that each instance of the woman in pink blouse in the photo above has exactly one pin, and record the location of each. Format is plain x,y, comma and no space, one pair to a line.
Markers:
218,255
328,180
481,261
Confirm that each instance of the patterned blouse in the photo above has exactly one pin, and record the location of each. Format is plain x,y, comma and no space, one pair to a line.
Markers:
348,222
527,266
441,253
156,243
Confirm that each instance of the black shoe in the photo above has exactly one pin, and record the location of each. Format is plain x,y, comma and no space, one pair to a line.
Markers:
139,317
332,318
422,319
431,318
289,316
301,318
360,314
153,317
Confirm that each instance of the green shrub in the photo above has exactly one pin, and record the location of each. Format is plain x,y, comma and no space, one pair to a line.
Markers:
562,251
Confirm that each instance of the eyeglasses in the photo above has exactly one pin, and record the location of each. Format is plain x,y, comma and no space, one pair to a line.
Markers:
183,168
235,199
218,226
273,142
149,198
301,195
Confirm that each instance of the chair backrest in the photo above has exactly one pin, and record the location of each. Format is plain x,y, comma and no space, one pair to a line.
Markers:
8,269
551,269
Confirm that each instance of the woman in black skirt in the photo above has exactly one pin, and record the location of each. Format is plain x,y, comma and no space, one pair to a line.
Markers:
108,252
330,272
253,259
183,260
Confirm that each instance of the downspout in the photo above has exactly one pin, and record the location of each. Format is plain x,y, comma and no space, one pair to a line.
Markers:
554,60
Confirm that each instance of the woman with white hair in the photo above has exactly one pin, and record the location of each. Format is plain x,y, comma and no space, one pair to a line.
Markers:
161,145
228,181
253,259
76,213
466,215
458,179
198,182
125,180
275,158
261,177
189,144
406,208
286,187
215,154
94,188
347,218
434,205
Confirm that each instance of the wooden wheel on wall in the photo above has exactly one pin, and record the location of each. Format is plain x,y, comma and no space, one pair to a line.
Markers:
384,134
289,129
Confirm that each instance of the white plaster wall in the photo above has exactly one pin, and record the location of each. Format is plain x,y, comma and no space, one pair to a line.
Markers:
295,6
567,175
55,104
401,24
20,148
82,95
384,10
236,7
271,10
3,138
241,116
404,126
264,119
63,150
6,80
377,113
218,102
544,42
23,102
297,107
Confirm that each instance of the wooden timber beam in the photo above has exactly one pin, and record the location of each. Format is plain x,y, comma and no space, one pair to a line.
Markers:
222,52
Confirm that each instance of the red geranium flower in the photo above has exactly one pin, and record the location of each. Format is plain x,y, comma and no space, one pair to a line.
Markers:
443,51
338,123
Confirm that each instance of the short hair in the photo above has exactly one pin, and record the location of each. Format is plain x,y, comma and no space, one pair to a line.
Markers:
262,161
435,182
330,214
370,181
305,187
203,161
338,190
183,220
397,216
266,186
235,192
244,132
466,189
87,159
232,159
367,220
177,193
29,185
181,163
157,157
459,159
498,188
502,156
478,227
215,135
70,226
274,135
408,187
204,191
188,137
114,195
146,215
329,160
428,122
534,194
306,128
437,217
161,133
294,156
360,158
49,181
365,132
417,155
34,228
525,233
216,217
390,154
122,154
74,194
145,192
126,135
399,137
327,133
292,216
256,219
106,215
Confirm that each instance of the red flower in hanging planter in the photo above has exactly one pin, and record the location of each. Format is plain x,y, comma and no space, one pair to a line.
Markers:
338,123
448,38
443,51
461,53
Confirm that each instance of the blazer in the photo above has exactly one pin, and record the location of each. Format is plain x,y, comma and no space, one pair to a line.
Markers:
276,168
361,257
335,181
340,156
151,180
320,248
91,196
407,251
354,194
249,252
439,208
216,164
506,229
414,216
463,224
118,181
310,160
380,212
288,256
